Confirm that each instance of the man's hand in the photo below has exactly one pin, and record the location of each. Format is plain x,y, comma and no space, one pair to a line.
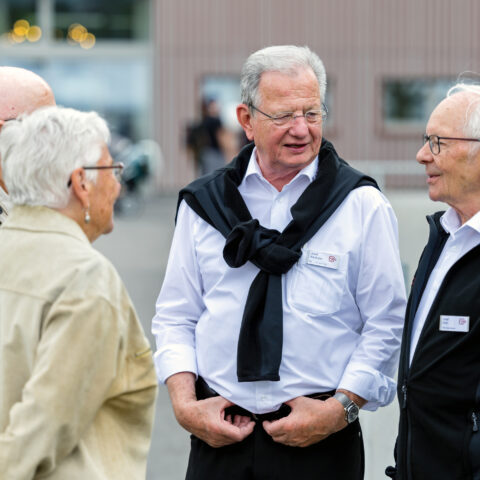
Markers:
309,422
206,418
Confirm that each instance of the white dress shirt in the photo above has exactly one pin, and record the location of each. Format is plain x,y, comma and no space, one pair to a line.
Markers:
4,206
343,302
461,240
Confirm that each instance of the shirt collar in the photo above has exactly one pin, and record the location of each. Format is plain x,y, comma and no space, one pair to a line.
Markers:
310,171
451,222
4,201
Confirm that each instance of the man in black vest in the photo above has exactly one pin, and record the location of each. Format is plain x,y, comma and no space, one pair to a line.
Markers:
21,91
439,376
281,310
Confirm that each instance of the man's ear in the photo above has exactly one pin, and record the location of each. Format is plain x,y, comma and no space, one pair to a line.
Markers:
245,120
80,186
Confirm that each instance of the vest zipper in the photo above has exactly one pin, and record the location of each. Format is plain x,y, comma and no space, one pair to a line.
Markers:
475,422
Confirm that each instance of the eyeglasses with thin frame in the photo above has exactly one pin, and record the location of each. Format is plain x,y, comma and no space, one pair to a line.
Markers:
434,141
116,167
283,119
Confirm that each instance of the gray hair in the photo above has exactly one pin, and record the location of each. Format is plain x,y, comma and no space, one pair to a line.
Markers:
40,151
471,126
283,59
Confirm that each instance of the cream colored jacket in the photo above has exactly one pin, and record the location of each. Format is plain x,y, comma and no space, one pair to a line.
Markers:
77,382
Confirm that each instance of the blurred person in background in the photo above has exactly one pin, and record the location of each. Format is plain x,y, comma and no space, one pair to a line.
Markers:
208,140
77,379
439,376
278,319
21,91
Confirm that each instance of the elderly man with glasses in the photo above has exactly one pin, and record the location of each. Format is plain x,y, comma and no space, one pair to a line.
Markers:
21,91
439,377
282,306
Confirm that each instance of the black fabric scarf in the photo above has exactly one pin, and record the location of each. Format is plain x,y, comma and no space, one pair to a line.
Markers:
216,199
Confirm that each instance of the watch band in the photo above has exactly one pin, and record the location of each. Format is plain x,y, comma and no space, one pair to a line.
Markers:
350,407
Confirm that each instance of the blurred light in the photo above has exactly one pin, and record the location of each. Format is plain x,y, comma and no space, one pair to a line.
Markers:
17,38
9,37
78,33
34,33
20,27
89,41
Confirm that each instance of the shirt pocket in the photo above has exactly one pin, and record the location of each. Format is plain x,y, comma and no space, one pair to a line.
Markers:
317,283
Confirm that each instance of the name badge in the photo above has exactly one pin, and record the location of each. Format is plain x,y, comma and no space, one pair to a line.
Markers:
322,259
454,323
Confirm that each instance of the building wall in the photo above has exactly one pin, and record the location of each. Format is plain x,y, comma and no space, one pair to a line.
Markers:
360,43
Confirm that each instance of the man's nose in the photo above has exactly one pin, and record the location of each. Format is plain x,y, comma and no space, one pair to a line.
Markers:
424,155
299,126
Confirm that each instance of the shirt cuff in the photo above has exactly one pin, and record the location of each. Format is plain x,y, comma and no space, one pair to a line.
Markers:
375,387
173,359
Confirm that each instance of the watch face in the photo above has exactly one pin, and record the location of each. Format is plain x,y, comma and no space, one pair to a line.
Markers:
352,413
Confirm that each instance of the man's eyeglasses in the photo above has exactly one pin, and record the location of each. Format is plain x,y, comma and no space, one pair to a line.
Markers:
287,118
116,167
434,141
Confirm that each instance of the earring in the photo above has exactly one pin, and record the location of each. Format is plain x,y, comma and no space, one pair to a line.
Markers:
87,215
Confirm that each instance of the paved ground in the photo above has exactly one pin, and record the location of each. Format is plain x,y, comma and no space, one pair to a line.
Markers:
139,247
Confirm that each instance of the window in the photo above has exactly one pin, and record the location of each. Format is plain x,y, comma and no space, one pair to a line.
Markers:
108,19
409,102
18,21
110,74
225,89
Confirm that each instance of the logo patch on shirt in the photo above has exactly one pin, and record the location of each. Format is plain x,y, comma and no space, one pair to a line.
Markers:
322,259
454,323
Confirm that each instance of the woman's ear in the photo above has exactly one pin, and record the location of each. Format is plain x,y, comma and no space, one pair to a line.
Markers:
80,186
245,120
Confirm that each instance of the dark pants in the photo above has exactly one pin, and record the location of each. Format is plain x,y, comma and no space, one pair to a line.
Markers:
258,457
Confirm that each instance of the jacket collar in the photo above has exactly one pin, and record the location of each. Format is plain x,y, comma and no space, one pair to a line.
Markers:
43,219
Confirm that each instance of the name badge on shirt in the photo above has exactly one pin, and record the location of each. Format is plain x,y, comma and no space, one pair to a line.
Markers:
454,323
322,259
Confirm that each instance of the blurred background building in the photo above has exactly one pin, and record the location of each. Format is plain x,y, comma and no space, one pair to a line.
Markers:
146,64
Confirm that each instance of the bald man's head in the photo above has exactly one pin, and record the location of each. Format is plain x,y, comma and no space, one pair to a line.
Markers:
21,91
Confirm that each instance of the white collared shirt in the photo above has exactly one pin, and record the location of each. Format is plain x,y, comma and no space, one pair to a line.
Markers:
4,206
343,302
461,240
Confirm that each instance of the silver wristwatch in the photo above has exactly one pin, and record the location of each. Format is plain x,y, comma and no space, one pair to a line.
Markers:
350,407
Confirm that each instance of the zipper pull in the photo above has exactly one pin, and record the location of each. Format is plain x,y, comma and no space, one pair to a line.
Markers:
404,391
475,422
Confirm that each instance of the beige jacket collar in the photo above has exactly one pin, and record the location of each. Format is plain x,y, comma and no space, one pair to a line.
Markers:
43,219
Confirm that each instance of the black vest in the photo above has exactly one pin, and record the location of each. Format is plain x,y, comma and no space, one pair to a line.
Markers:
439,393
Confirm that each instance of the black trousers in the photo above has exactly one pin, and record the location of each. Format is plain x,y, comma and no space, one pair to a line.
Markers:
258,457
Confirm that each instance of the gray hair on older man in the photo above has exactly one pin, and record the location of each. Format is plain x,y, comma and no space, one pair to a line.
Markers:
39,152
283,59
471,126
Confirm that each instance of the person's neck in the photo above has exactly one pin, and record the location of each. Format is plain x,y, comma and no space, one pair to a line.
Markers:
77,214
466,212
278,178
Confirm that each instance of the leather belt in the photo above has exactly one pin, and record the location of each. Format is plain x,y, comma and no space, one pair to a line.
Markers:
204,391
